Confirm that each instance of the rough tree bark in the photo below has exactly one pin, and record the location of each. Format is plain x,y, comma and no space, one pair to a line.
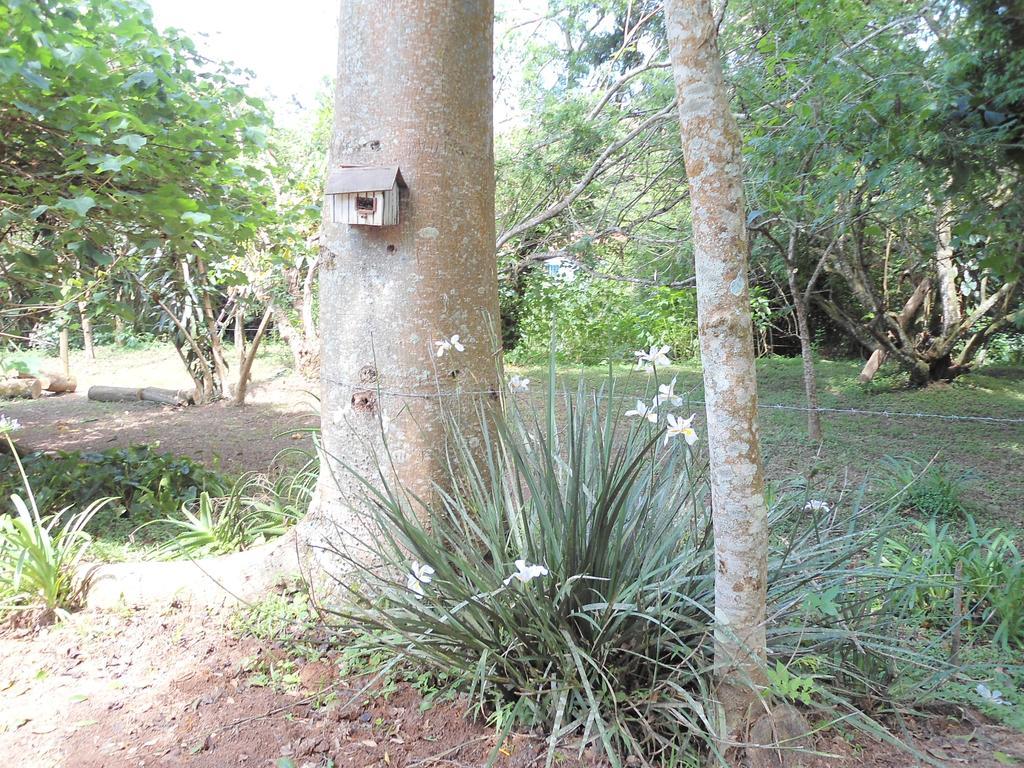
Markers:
414,89
711,148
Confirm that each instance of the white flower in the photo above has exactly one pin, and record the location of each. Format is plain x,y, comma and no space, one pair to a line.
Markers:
818,506
8,425
681,427
653,357
526,572
992,697
519,384
644,411
420,575
446,345
667,394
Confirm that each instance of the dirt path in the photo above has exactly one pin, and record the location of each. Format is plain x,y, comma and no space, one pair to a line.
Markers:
218,435
113,690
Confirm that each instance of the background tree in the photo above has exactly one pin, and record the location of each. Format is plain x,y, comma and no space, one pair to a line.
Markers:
146,169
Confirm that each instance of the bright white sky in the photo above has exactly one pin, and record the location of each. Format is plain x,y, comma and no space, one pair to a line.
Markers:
290,46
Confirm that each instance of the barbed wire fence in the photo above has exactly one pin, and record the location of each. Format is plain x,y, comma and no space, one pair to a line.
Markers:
456,392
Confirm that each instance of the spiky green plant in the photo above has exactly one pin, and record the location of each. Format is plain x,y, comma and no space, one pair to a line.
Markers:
603,629
40,555
210,527
255,510
991,576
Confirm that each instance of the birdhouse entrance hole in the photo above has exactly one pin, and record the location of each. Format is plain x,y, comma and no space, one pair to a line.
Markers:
366,205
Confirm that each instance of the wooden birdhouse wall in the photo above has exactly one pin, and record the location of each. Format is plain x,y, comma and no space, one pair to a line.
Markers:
379,209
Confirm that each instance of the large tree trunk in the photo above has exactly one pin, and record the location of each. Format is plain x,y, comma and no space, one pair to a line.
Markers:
414,89
711,148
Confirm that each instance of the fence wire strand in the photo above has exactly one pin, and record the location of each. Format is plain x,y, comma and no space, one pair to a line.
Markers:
437,393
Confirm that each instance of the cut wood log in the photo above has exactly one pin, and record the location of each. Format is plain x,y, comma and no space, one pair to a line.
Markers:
149,394
53,381
21,388
115,394
167,396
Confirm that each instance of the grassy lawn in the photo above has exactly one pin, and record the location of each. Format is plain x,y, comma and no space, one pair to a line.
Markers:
854,446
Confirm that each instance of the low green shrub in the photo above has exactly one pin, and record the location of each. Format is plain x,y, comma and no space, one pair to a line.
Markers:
141,482
932,490
563,573
992,577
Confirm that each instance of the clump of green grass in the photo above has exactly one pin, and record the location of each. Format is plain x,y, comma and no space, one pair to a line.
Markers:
983,567
930,489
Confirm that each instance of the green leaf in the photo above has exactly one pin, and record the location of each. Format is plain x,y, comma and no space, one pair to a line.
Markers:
34,78
133,141
257,135
196,218
80,205
111,163
27,108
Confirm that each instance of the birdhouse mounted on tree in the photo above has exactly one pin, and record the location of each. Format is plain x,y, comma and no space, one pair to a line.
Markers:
363,194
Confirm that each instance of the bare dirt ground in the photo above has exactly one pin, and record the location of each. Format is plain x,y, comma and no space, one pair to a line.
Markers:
221,435
174,688
132,689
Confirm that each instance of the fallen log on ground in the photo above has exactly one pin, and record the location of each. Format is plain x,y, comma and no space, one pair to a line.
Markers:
21,388
130,394
53,382
166,396
114,394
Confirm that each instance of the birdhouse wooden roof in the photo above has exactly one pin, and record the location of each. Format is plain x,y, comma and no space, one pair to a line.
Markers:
363,178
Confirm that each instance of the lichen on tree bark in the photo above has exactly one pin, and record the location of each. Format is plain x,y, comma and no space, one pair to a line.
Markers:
711,148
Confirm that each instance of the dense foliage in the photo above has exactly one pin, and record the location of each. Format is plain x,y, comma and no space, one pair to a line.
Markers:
139,480
882,145
128,169
143,185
